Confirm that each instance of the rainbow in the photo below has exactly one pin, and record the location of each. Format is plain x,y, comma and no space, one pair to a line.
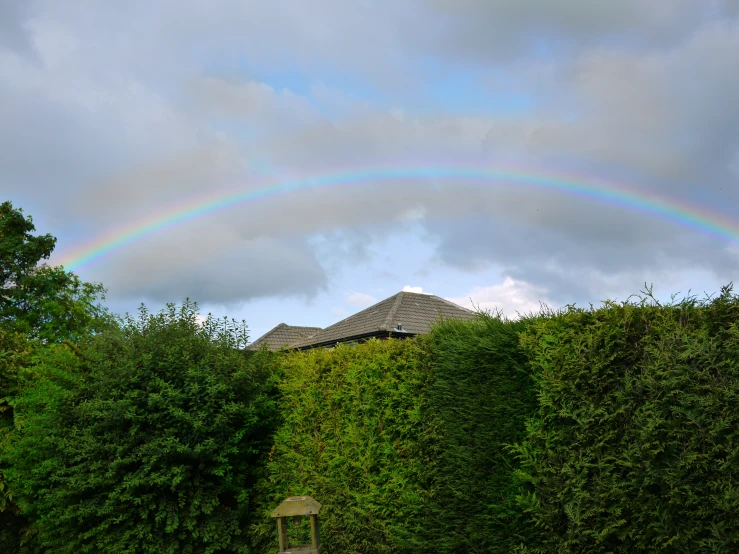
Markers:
701,220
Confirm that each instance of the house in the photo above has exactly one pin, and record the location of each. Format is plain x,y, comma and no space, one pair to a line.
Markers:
403,315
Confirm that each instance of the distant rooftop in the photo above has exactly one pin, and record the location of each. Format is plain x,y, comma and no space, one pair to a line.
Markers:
283,335
404,314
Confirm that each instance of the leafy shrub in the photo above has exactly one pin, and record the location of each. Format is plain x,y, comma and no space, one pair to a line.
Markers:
636,444
147,440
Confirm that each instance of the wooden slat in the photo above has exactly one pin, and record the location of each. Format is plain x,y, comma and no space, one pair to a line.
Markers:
297,506
314,531
282,533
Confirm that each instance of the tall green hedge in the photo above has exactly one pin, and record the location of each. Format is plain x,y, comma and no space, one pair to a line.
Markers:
480,397
405,442
351,438
636,444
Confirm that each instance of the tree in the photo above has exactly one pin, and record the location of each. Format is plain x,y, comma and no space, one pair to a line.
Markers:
40,306
38,300
146,439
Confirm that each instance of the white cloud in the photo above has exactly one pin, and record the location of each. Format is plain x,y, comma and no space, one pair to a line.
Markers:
512,297
339,312
418,290
360,299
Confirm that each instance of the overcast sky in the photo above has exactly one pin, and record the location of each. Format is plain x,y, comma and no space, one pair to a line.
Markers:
112,113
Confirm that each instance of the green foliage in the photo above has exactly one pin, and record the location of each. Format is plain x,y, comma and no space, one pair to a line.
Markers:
478,403
146,440
404,442
37,300
636,444
15,354
38,304
351,438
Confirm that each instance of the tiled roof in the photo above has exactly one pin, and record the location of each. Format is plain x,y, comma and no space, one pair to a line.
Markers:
413,311
283,335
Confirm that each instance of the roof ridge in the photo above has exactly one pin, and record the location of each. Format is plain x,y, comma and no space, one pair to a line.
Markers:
393,310
453,304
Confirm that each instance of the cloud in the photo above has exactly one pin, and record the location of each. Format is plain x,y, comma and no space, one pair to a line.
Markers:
409,288
360,299
228,271
109,123
511,297
339,312
495,30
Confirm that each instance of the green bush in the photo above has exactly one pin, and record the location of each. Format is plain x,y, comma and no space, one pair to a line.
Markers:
635,447
147,440
350,438
479,400
15,357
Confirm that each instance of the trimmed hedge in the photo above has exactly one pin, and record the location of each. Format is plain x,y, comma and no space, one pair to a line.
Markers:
636,445
604,430
479,400
404,442
352,438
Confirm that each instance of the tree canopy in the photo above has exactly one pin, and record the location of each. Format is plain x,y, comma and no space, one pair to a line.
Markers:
36,299
40,306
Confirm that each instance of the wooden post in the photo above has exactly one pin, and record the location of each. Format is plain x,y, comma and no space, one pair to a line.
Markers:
314,531
282,533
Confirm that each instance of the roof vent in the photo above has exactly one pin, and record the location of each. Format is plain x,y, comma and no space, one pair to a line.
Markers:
399,328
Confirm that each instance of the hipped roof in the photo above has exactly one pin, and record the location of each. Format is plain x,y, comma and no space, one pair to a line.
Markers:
414,312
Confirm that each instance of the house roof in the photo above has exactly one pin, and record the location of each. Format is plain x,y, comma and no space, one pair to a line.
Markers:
283,335
415,312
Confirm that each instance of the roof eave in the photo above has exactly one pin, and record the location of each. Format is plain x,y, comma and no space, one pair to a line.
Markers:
362,336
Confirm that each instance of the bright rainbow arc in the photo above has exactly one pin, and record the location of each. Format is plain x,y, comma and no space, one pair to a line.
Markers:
701,220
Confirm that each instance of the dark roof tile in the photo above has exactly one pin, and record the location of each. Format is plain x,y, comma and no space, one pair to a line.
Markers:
283,335
415,312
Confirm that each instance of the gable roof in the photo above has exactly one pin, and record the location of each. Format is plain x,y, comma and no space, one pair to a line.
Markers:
413,311
283,335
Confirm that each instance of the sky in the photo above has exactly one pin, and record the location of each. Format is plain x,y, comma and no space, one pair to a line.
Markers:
115,117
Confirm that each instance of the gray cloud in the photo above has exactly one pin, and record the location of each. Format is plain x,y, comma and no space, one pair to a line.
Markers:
214,267
497,30
12,16
110,116
586,258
